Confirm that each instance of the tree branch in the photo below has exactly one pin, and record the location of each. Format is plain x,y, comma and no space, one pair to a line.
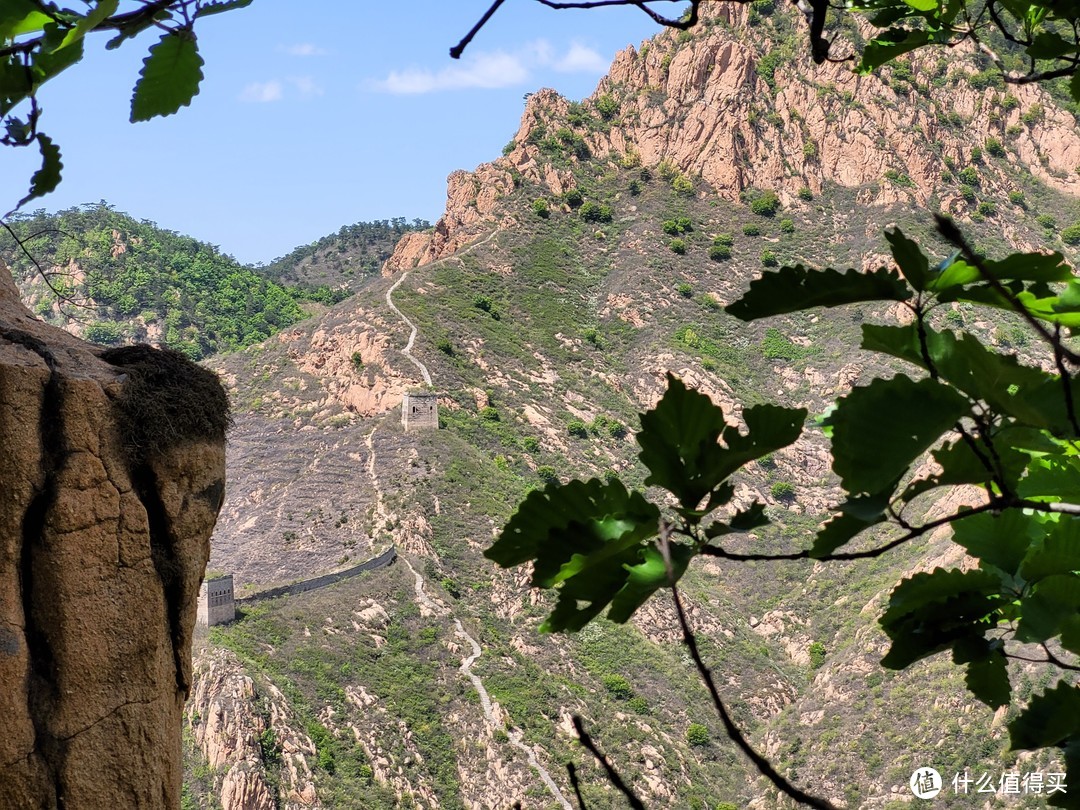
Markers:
571,772
918,531
682,23
612,774
763,765
947,228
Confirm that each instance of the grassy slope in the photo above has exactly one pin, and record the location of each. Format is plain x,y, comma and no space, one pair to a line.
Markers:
559,348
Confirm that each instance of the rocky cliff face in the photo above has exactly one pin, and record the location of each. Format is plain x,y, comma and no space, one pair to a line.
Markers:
739,106
104,536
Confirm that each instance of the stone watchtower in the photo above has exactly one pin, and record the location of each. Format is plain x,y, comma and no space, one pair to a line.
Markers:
216,604
420,411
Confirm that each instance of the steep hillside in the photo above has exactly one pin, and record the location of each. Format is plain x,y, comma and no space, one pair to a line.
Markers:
121,280
562,283
335,266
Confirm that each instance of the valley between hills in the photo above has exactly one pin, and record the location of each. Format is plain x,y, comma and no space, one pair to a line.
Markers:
544,309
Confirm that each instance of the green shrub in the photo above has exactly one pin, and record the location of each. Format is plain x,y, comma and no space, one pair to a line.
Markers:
685,290
787,226
357,361
573,198
593,212
683,185
1033,114
817,655
805,194
606,426
445,346
969,175
540,208
775,346
547,474
725,239
638,705
976,154
1017,198
765,204
809,150
104,332
530,444
719,253
634,187
510,147
697,734
967,192
751,230
783,491
607,106
987,208
677,227
994,148
1046,221
577,428
677,246
1009,102
618,687
768,258
489,414
666,169
898,178
1071,235
483,303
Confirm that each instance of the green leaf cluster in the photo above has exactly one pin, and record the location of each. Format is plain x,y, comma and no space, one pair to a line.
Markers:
985,418
602,547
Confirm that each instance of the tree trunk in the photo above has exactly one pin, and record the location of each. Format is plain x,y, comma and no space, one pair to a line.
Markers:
103,544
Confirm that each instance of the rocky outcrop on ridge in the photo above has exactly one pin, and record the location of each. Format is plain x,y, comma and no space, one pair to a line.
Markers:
722,108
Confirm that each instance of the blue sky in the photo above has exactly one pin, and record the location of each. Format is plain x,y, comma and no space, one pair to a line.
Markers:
317,114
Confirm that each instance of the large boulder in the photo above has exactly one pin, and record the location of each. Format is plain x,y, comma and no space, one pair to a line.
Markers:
112,469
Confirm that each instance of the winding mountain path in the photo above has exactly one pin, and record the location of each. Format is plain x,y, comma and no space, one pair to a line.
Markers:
432,606
435,606
407,351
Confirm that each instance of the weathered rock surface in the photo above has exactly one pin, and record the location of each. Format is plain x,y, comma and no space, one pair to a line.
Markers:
704,108
100,562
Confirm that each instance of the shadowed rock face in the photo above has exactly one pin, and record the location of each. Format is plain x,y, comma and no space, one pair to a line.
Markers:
102,551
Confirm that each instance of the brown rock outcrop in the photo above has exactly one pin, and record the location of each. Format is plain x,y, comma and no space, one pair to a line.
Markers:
103,544
705,107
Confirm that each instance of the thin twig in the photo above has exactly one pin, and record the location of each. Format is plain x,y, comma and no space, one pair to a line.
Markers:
917,531
457,50
1066,380
763,765
571,771
1053,659
61,296
682,23
947,228
612,774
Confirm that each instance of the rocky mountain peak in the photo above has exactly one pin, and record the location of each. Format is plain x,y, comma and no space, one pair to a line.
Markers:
736,106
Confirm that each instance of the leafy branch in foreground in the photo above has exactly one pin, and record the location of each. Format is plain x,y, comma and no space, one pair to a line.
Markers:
966,416
38,41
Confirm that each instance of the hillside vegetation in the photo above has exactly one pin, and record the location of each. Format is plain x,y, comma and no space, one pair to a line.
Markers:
567,278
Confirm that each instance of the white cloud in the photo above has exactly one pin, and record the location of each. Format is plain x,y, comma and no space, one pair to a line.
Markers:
492,70
305,86
303,49
262,92
484,70
581,59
